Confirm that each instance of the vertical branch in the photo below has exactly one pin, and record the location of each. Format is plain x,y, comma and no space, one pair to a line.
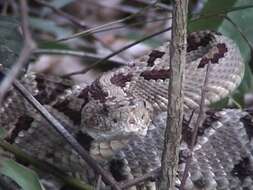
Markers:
175,100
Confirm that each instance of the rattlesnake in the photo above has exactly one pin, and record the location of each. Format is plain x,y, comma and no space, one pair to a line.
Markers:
118,118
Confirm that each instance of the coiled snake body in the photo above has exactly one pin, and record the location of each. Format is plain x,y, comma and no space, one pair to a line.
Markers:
119,118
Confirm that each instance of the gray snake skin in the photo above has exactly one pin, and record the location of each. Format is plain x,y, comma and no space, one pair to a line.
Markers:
120,118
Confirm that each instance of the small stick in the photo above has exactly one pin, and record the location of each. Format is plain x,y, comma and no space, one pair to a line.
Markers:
83,55
195,130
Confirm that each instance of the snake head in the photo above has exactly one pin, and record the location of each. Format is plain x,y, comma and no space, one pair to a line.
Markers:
112,123
116,119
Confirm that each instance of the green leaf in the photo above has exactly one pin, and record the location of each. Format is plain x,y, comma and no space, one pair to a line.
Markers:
11,41
212,6
24,177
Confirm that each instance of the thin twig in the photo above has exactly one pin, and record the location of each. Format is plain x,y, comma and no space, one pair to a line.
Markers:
196,127
190,118
116,52
68,137
84,55
29,46
124,26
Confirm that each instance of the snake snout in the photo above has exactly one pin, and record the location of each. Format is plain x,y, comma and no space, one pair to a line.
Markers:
138,118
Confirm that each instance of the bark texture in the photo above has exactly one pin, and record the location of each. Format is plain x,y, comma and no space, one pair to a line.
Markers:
177,59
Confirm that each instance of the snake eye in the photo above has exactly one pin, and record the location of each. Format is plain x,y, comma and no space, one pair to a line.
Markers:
114,120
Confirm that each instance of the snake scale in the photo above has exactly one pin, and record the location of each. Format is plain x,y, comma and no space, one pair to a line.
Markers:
120,118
